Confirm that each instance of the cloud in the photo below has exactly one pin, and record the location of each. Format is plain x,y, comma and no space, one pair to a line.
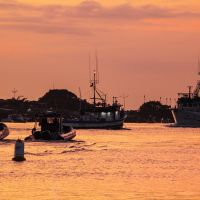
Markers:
41,28
80,18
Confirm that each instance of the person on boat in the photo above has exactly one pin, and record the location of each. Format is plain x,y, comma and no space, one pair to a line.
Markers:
44,125
56,125
45,130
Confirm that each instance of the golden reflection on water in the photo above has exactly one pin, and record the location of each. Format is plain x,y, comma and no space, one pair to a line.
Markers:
148,162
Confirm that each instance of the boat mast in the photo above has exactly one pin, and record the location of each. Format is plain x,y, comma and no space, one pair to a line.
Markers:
198,66
196,92
80,98
94,89
95,81
97,94
190,91
198,82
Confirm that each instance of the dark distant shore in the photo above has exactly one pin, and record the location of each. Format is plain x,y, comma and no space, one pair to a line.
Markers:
68,104
151,112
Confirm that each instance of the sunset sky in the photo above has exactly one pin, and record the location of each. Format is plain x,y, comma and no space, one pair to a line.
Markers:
145,47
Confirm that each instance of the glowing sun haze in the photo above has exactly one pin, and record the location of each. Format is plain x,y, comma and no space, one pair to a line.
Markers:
144,47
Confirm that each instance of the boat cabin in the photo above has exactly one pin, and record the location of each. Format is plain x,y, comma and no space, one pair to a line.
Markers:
108,113
50,121
190,103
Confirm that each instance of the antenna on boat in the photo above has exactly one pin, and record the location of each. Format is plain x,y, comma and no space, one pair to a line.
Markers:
97,66
95,79
190,90
115,100
89,62
94,89
80,97
105,101
124,97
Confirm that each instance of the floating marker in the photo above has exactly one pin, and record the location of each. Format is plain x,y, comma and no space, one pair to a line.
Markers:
19,151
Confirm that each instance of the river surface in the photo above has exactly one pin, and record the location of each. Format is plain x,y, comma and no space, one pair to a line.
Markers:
143,161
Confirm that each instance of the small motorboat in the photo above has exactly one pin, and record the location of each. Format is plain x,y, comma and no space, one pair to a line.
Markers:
4,131
51,128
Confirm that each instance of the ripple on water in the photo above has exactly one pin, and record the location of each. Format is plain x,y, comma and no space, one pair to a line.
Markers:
145,161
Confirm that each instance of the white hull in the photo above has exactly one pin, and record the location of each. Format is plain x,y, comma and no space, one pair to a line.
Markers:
69,136
4,132
95,125
186,118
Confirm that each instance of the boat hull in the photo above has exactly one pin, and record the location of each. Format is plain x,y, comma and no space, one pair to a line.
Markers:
117,124
184,118
64,137
69,136
4,131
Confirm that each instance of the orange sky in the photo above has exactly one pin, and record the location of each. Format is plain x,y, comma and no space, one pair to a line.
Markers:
145,47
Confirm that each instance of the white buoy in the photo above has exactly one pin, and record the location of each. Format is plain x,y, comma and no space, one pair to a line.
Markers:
19,151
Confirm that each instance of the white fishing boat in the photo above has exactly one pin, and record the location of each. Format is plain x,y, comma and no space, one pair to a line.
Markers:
101,115
187,111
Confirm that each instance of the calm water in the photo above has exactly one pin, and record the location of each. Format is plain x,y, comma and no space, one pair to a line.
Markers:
146,162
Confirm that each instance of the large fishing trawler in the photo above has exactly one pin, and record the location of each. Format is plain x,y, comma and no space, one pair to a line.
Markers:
101,115
187,112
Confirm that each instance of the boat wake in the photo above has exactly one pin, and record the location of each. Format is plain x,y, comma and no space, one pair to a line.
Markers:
83,146
39,154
